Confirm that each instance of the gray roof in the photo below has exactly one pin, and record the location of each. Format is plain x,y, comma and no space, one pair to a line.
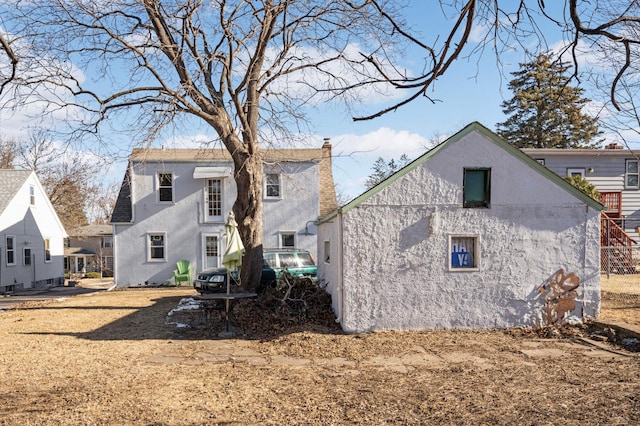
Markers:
92,231
123,210
10,182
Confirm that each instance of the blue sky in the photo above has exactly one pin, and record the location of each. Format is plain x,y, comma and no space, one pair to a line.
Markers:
471,90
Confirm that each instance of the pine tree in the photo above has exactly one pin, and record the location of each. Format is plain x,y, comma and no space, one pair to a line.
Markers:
545,111
382,169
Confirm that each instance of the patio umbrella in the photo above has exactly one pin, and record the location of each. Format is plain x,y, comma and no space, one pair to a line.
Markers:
232,258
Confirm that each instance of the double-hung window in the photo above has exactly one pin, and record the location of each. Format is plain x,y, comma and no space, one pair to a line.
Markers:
26,256
47,250
32,195
107,242
156,247
272,187
476,187
631,175
10,242
165,187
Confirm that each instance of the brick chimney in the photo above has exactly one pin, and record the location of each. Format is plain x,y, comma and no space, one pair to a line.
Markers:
328,200
613,145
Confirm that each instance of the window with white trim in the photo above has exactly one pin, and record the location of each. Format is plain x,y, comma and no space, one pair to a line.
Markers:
463,251
157,247
32,195
287,239
10,251
272,187
47,250
213,199
26,256
579,171
631,175
107,242
165,187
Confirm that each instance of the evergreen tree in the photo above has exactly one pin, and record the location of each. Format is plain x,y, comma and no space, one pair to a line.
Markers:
382,169
545,111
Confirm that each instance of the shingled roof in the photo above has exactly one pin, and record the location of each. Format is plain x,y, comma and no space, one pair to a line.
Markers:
10,182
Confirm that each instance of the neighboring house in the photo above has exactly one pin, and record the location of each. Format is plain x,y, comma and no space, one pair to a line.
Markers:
31,244
173,204
614,171
89,248
472,234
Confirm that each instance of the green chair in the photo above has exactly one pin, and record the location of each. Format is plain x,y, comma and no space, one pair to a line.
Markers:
183,273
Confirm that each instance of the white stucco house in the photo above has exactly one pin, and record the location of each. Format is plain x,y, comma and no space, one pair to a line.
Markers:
32,242
472,234
173,204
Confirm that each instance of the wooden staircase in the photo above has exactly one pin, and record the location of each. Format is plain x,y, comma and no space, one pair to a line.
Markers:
616,247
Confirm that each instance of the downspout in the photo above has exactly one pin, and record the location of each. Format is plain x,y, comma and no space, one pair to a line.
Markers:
340,269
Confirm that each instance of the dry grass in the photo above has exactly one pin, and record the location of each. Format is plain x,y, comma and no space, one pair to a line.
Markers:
112,358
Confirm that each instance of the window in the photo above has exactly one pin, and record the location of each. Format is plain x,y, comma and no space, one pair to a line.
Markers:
165,187
11,249
272,185
47,250
464,252
107,242
26,256
157,247
540,160
631,180
575,172
287,239
327,252
32,195
213,199
476,187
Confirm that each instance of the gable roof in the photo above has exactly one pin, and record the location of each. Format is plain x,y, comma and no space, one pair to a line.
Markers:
489,135
10,182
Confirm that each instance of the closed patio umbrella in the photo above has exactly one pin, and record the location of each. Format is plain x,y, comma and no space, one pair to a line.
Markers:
232,258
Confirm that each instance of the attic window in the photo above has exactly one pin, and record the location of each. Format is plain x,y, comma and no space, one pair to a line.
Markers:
476,187
32,195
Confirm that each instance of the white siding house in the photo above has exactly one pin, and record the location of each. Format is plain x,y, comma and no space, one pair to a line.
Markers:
465,236
32,236
173,203
614,171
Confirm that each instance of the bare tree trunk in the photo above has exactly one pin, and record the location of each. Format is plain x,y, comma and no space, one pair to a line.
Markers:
248,211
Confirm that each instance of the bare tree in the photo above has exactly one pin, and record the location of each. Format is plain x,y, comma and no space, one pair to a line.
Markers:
67,179
8,152
607,27
241,67
7,77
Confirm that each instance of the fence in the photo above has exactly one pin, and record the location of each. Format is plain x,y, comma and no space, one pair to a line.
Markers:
620,272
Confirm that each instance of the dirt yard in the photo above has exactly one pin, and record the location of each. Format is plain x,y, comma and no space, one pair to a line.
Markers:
117,358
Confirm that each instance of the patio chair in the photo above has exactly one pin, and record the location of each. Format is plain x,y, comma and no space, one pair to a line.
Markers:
183,273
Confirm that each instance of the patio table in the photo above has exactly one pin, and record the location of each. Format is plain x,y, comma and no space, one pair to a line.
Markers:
227,297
